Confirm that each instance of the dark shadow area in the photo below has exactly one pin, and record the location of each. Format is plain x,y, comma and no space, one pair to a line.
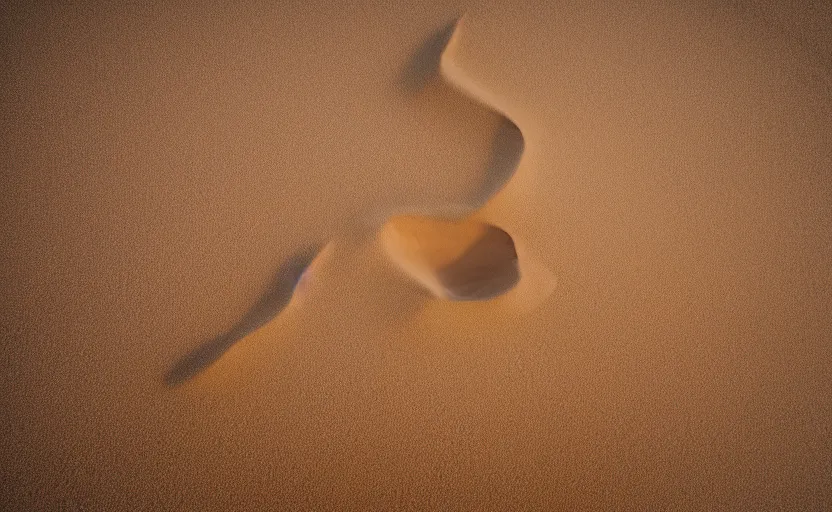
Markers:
423,65
489,268
276,297
506,151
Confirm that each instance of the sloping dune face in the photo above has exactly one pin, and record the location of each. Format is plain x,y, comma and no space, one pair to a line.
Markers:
462,260
232,235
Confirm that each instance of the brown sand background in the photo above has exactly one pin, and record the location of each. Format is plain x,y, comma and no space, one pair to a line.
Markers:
161,162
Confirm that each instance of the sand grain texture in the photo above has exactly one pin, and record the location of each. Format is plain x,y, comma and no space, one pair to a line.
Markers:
162,162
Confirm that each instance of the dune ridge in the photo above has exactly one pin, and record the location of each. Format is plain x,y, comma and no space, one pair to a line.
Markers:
487,265
448,252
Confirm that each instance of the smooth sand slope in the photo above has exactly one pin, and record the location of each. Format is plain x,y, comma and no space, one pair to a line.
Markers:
232,234
454,258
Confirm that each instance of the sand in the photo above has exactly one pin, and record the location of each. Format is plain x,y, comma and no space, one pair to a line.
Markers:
202,308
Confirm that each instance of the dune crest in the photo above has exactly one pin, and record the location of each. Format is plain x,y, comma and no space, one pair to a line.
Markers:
449,252
509,142
286,287
458,257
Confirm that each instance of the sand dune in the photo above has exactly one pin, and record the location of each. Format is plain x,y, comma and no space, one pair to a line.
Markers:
465,259
458,260
240,243
280,292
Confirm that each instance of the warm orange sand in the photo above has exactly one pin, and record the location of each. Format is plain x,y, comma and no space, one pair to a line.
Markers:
664,175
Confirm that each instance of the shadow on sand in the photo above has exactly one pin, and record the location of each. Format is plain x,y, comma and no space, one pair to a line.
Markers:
277,296
487,269
506,151
423,65
477,282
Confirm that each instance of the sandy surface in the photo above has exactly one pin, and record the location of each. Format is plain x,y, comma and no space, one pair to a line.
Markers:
199,311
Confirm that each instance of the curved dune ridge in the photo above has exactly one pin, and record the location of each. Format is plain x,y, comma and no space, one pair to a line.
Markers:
285,286
449,252
462,258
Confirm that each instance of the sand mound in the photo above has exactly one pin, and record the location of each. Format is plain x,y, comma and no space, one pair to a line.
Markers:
457,260
464,259
669,165
460,259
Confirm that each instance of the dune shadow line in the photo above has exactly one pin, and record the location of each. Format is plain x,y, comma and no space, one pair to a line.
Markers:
276,297
490,267
423,64
506,152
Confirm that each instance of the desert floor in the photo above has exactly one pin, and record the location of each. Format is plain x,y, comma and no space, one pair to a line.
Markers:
214,296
